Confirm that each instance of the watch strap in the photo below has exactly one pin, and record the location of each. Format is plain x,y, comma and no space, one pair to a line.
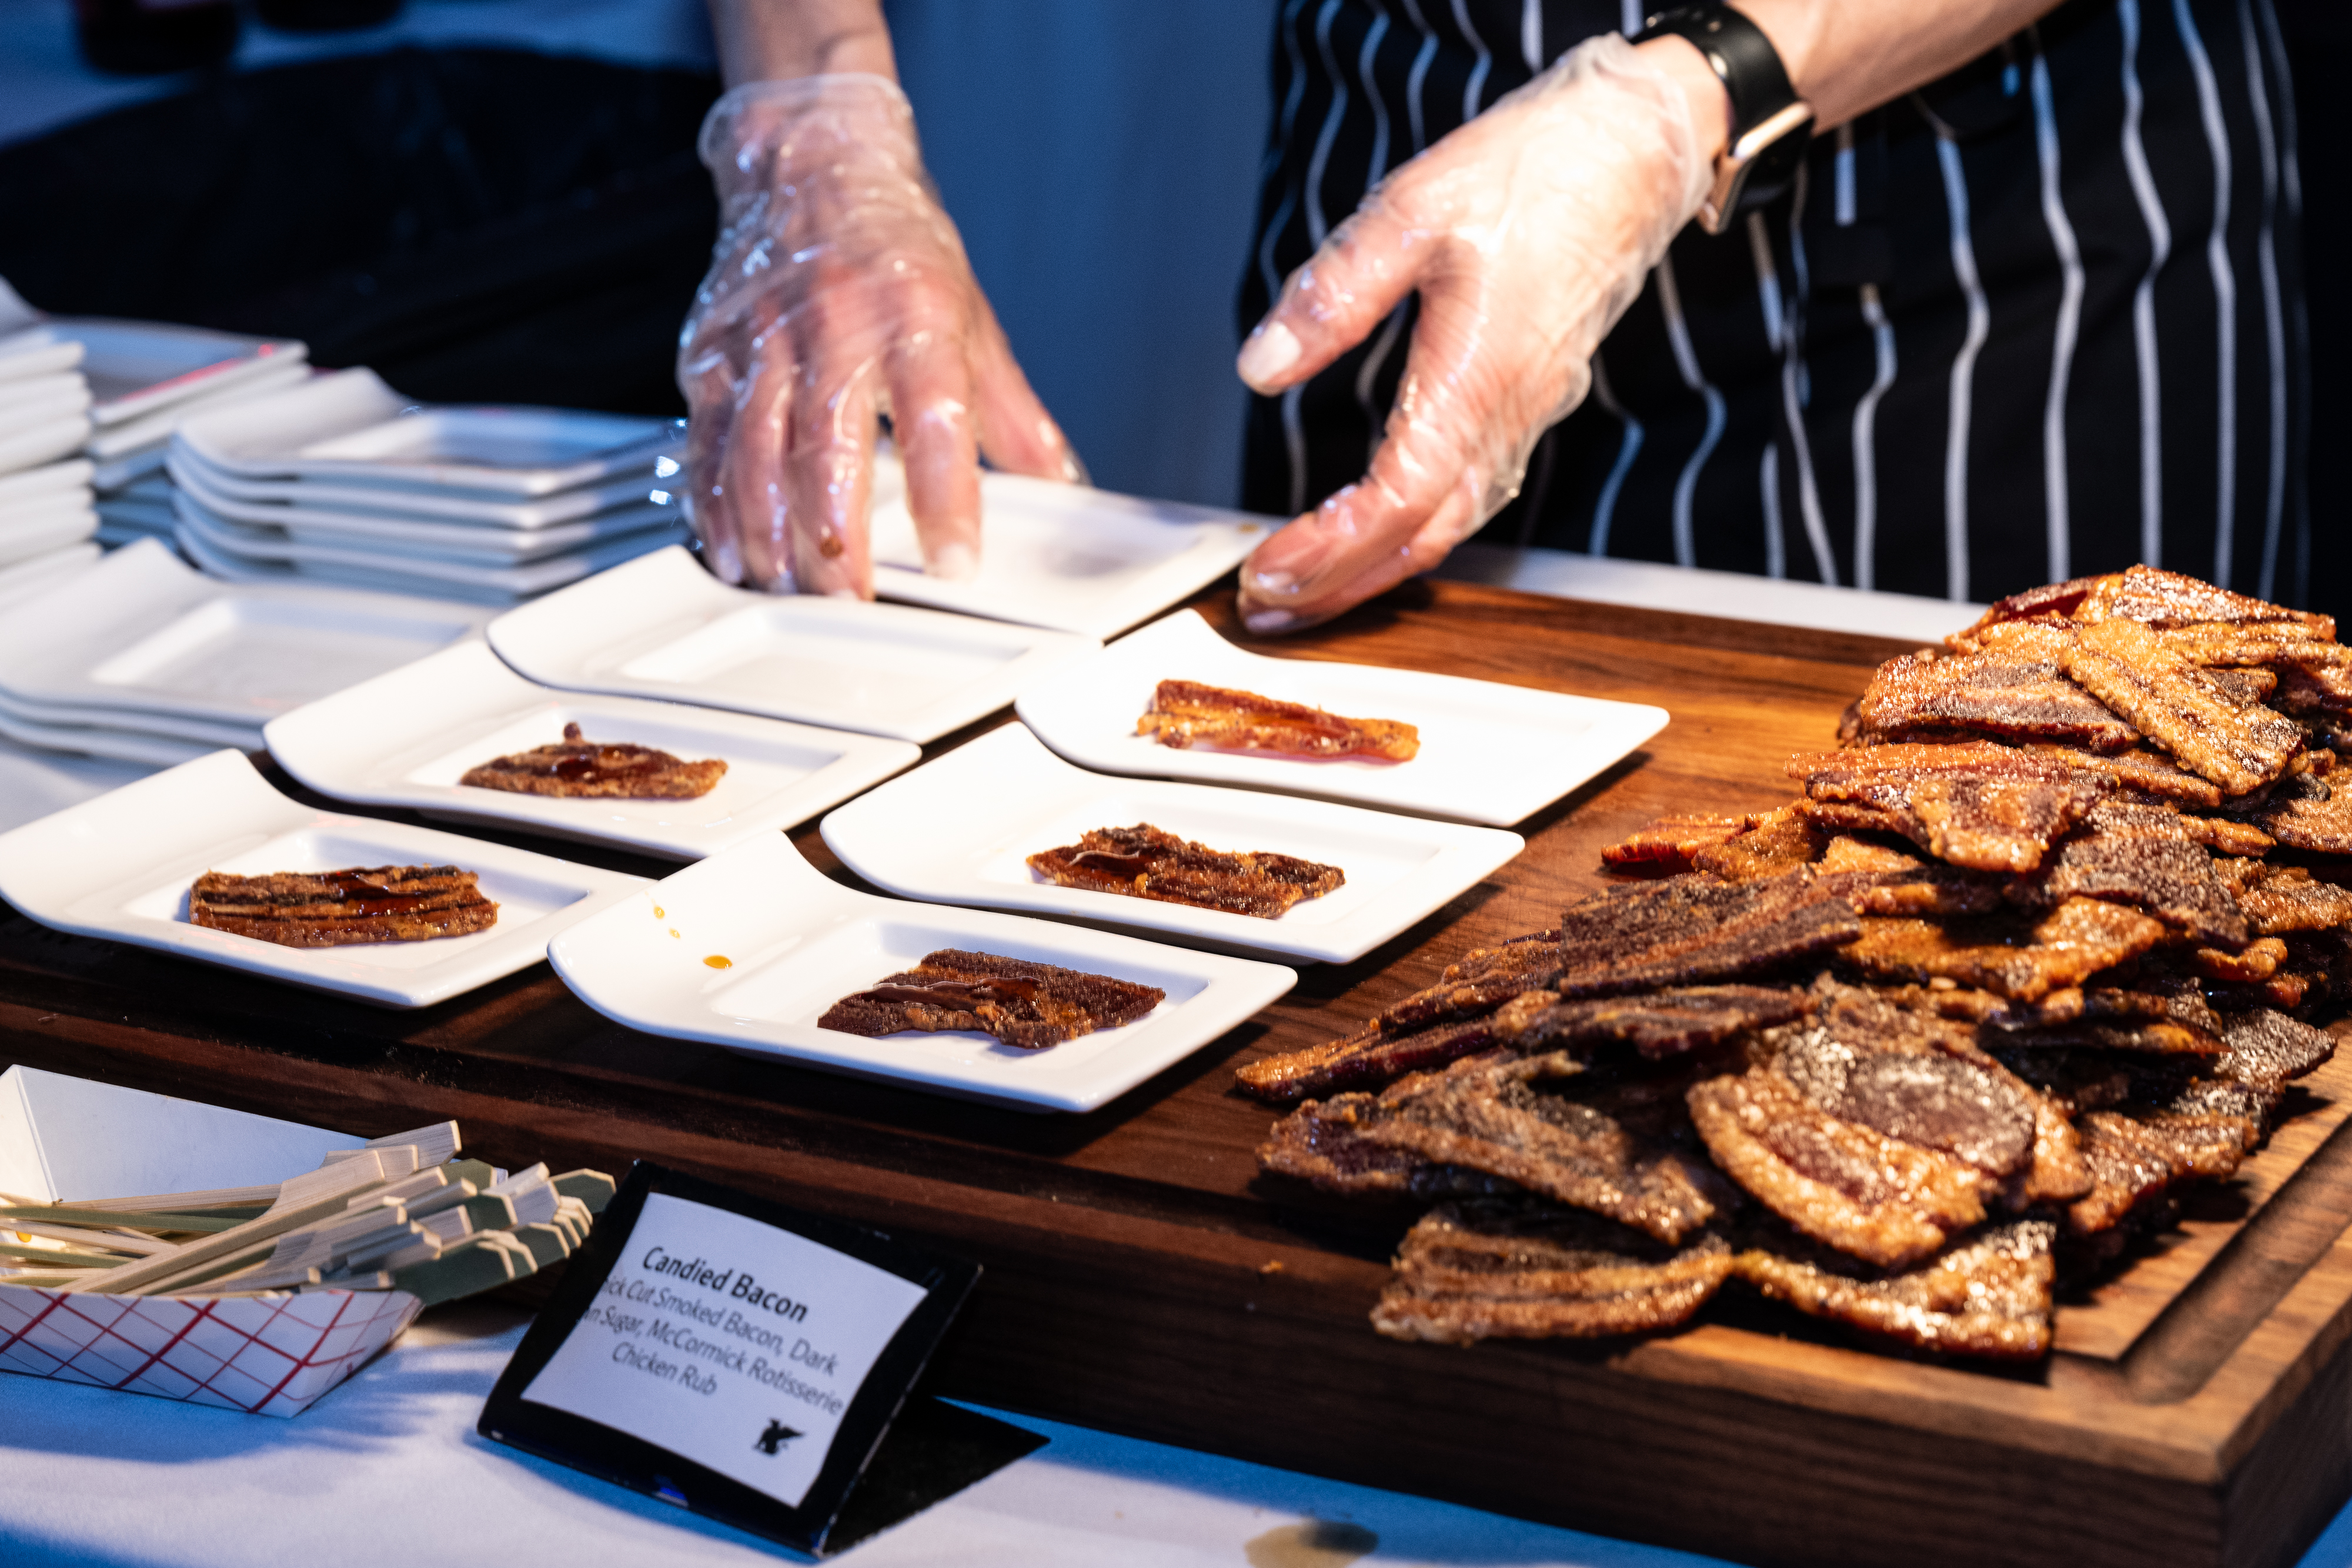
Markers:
1771,125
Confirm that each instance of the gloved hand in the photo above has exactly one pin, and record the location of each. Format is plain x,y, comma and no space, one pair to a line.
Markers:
1528,232
839,292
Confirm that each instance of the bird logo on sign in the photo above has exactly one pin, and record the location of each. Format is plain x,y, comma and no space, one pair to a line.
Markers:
774,1439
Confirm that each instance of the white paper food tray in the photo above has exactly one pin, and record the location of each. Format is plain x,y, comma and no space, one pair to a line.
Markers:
272,1355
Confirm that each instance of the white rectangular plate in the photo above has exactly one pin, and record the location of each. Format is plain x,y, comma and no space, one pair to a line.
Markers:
33,534
961,829
350,428
792,942
269,544
119,867
439,537
1490,753
135,367
1064,556
406,738
662,627
35,783
140,629
463,507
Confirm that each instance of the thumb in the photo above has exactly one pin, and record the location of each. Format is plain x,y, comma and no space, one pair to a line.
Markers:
1328,306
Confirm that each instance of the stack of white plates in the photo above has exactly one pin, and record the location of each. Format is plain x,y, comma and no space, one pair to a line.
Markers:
147,377
46,518
343,480
139,659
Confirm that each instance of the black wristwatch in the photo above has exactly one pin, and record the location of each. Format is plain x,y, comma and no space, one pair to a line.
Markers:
1771,125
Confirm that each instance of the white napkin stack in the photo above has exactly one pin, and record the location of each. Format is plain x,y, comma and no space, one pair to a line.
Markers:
343,480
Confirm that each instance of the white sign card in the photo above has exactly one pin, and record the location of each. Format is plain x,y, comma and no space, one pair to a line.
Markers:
730,1343
731,1355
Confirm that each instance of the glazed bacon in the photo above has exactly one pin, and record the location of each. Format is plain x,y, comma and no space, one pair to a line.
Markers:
1993,808
1500,1268
1145,861
341,908
577,768
1021,1003
2015,696
1990,1296
1186,713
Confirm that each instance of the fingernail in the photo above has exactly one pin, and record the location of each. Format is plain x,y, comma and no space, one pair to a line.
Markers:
1270,350
953,562
1272,581
1267,621
850,594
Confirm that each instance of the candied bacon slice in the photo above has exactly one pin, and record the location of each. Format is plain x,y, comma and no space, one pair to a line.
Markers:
1671,841
2248,648
2317,691
1483,1115
2136,1158
2268,1049
2137,775
1997,694
2005,955
2142,856
343,908
1022,1003
2282,898
1988,807
1989,1295
1188,713
1852,1187
1658,1024
1774,843
1685,930
1145,861
1503,1269
2307,814
2145,593
578,768
1364,1060
2239,745
1904,1071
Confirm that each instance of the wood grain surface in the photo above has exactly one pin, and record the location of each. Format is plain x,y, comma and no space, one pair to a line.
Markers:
1141,1277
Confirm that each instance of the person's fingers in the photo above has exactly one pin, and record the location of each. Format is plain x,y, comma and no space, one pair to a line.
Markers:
932,416
828,466
708,381
752,475
1346,290
1015,430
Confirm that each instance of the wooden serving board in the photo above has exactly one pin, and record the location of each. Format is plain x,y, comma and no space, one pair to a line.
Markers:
1142,1278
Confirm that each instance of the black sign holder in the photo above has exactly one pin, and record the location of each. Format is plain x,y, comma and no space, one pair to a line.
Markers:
885,1464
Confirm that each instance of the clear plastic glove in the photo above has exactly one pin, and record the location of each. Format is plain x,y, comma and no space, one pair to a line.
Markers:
838,292
1528,231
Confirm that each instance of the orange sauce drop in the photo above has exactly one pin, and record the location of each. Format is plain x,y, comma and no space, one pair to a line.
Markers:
659,912
719,961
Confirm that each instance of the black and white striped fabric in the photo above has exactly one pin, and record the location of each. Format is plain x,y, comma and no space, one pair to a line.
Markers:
2041,318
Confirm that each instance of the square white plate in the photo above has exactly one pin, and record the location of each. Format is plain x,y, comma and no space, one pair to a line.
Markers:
794,942
141,630
116,745
349,427
632,487
155,425
206,735
30,445
35,783
36,351
222,566
961,829
662,627
137,367
404,739
1064,556
452,538
30,400
119,867
1490,753
516,579
28,577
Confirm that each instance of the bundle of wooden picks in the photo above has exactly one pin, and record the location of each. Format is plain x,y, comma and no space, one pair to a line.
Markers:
402,1213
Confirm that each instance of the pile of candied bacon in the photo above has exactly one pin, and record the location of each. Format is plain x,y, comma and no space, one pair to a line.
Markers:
2044,941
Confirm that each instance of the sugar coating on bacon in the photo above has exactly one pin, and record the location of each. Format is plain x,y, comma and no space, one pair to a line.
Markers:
2012,696
1672,841
2017,956
2239,745
1990,1296
1990,807
1188,713
343,908
1145,861
1504,1269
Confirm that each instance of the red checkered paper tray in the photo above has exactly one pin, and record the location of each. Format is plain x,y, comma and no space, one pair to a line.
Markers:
268,1355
